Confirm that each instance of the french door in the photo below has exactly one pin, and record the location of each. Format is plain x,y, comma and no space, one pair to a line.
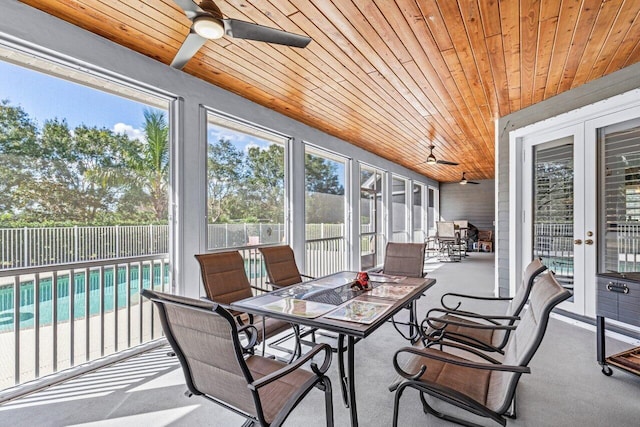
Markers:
559,205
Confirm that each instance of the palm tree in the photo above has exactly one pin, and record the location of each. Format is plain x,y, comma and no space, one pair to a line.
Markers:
152,163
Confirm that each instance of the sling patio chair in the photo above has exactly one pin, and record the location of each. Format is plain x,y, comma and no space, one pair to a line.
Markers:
485,388
225,281
282,271
448,240
204,337
281,266
405,259
485,331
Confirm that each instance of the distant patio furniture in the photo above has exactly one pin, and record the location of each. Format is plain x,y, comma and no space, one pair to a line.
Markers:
225,281
204,336
483,388
448,240
485,241
462,227
488,331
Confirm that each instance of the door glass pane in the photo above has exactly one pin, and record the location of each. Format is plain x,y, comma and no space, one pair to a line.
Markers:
553,207
619,201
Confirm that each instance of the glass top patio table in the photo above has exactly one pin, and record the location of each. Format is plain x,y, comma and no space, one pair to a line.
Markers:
325,302
317,302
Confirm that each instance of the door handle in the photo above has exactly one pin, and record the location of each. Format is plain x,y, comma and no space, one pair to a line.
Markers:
588,242
577,242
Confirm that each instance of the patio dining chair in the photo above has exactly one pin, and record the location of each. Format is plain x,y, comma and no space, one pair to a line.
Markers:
281,266
448,241
282,271
486,331
225,281
483,388
204,337
405,259
462,227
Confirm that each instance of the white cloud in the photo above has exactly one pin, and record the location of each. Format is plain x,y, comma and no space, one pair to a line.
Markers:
249,146
130,131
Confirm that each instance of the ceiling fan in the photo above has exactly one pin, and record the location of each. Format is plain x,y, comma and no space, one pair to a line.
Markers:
431,159
464,180
208,23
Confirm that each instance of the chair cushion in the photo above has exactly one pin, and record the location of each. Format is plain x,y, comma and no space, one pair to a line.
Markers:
275,395
473,383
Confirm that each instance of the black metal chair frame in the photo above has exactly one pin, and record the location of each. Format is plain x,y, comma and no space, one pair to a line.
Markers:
438,324
456,398
321,381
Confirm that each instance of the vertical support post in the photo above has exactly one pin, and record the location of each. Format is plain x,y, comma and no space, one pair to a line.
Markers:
25,247
16,327
76,255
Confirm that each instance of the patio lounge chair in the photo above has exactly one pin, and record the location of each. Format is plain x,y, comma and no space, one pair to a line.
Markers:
225,281
487,331
204,336
485,389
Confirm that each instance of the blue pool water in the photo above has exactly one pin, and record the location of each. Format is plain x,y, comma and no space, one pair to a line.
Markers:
137,276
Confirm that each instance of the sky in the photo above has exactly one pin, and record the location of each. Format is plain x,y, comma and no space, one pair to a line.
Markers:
45,97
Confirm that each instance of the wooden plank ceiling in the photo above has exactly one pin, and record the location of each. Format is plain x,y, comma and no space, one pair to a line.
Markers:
390,76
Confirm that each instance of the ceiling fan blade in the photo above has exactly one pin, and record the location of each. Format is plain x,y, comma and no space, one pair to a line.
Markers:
472,182
250,31
190,8
191,45
446,162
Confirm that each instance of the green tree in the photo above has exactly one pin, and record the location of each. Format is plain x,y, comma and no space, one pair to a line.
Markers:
324,201
58,174
149,159
265,186
321,176
225,176
18,138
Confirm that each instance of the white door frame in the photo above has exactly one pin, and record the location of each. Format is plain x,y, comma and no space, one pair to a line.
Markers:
549,139
616,109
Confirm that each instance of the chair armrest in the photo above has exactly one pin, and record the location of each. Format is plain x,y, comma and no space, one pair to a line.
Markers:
432,323
252,336
258,288
443,357
429,341
235,313
287,369
472,297
471,315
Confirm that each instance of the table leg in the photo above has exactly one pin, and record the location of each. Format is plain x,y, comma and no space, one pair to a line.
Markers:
351,341
347,379
343,376
413,326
